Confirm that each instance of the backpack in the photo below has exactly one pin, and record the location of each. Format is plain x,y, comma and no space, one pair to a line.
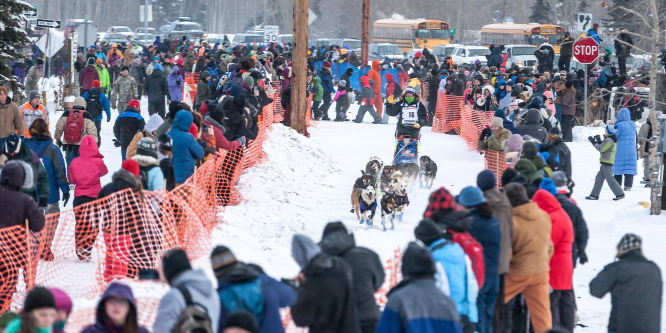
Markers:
74,126
214,77
94,105
474,251
193,319
143,176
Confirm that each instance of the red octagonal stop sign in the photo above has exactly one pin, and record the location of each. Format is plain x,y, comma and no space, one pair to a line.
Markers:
586,50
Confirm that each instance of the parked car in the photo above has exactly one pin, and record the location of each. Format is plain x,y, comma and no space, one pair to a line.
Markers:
143,39
141,30
286,38
442,51
411,54
382,51
121,29
469,54
184,27
521,55
71,24
325,42
354,44
163,29
113,38
247,39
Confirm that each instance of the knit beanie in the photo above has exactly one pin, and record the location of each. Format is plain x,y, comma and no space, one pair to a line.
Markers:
486,180
39,298
417,262
242,320
440,200
62,300
146,147
497,121
174,262
223,261
95,84
131,165
164,142
508,175
135,104
428,232
12,144
33,94
249,81
627,243
559,178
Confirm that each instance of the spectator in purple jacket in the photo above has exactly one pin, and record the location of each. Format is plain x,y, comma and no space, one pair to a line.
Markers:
88,75
176,82
116,312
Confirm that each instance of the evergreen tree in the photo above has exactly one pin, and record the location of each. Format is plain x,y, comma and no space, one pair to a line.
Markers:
540,12
12,39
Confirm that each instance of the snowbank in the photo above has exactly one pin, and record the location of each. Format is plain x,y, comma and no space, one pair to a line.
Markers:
580,133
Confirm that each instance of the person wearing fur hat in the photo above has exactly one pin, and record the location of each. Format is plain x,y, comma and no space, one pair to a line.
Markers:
38,314
125,89
63,133
636,288
177,271
150,174
494,137
42,144
127,125
63,308
15,149
157,89
116,311
607,149
416,304
32,110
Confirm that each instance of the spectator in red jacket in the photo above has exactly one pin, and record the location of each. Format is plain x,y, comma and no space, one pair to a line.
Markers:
88,75
214,119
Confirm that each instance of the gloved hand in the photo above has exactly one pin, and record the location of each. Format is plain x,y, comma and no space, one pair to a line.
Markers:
65,198
43,202
417,125
582,257
592,139
242,140
390,100
486,133
116,143
108,119
209,150
598,138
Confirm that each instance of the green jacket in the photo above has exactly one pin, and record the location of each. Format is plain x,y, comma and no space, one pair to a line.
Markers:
607,150
41,178
317,90
103,77
15,326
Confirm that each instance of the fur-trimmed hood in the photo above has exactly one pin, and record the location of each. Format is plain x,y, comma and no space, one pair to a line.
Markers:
145,161
11,172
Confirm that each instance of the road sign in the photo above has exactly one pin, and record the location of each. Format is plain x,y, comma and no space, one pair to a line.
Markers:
142,15
87,34
55,24
311,16
586,50
271,33
584,22
31,12
452,31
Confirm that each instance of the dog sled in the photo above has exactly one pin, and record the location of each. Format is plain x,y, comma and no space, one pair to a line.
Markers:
406,150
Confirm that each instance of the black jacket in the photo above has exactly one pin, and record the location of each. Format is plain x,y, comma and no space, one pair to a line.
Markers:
622,50
579,225
120,180
399,107
127,125
495,59
635,285
564,153
157,87
533,126
566,46
367,269
235,123
325,301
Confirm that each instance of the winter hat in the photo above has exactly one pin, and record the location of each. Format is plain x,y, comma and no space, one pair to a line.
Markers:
516,193
342,83
223,261
180,61
497,121
610,129
242,320
164,142
410,89
99,61
440,200
146,147
12,143
91,61
627,243
156,58
12,175
95,84
417,262
555,132
235,91
515,143
249,81
500,113
548,185
508,175
173,109
194,130
428,232
526,168
486,180
560,180
39,298
62,300
417,55
154,122
530,149
33,94
175,262
326,64
131,165
80,102
471,196
135,104
303,249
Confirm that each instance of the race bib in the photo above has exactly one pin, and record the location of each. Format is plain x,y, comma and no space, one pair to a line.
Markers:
410,114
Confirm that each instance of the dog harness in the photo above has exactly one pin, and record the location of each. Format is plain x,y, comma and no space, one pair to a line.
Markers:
401,200
364,208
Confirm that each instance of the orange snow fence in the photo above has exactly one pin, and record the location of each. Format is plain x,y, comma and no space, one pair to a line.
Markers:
495,161
453,115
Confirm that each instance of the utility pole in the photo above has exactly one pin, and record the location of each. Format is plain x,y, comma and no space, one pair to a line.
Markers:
365,32
145,21
299,66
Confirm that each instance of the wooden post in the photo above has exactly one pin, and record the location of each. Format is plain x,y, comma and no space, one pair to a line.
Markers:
299,66
365,33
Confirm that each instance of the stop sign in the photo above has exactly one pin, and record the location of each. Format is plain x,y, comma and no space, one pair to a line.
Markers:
586,50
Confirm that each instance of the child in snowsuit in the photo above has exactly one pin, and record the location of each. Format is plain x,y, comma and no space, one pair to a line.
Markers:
341,101
367,99
317,96
607,149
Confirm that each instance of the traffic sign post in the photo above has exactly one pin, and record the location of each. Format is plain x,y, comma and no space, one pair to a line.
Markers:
271,33
586,51
452,31
584,22
55,24
31,12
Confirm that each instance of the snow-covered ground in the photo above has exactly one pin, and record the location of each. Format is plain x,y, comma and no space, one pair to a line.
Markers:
307,182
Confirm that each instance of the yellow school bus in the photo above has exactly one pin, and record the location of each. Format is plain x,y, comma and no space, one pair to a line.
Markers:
411,34
530,34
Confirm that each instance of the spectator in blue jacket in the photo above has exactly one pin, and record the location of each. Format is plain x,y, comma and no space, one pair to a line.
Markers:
104,105
416,304
454,277
186,149
508,124
594,33
487,231
42,144
327,84
243,287
626,156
